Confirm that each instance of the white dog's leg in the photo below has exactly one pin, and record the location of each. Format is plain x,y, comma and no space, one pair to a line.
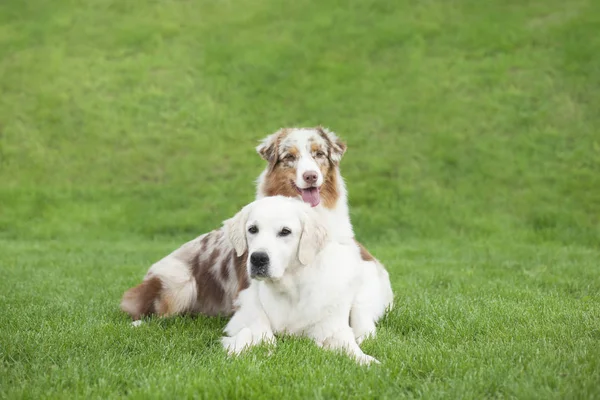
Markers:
249,326
246,338
361,321
344,340
374,297
235,344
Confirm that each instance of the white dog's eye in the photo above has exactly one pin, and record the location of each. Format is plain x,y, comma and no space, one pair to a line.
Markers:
285,232
253,229
319,154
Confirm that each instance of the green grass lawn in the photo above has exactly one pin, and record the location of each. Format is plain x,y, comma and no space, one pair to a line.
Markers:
127,128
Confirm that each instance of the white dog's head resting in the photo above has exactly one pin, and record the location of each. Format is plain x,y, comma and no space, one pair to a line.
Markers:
278,233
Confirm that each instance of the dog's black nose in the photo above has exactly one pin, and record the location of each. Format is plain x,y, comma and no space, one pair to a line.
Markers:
259,263
259,259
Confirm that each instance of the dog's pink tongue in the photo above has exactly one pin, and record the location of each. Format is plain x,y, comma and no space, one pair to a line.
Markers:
311,196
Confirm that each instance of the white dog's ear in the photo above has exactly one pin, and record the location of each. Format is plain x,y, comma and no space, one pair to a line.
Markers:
312,240
235,230
337,147
268,147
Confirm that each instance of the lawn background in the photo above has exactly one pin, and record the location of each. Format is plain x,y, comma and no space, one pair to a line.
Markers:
473,127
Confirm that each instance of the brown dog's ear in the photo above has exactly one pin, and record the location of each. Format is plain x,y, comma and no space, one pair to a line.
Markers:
312,239
235,230
337,147
268,147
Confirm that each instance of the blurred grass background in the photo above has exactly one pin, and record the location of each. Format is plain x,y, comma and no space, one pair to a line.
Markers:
473,130
469,118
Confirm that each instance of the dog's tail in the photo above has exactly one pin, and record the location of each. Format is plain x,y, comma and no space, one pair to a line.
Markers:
141,300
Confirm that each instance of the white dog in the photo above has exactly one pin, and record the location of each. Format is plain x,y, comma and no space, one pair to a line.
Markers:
303,281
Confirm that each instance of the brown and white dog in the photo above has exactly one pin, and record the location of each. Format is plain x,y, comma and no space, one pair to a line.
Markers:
205,275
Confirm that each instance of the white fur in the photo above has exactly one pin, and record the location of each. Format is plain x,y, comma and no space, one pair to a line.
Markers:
311,297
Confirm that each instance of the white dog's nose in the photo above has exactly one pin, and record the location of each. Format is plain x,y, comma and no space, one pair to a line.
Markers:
259,263
259,258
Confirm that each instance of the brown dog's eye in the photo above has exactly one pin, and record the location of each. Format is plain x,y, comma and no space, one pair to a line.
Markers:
289,158
253,229
285,232
319,154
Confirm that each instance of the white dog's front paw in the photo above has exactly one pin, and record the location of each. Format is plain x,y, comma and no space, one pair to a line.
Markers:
236,344
366,359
